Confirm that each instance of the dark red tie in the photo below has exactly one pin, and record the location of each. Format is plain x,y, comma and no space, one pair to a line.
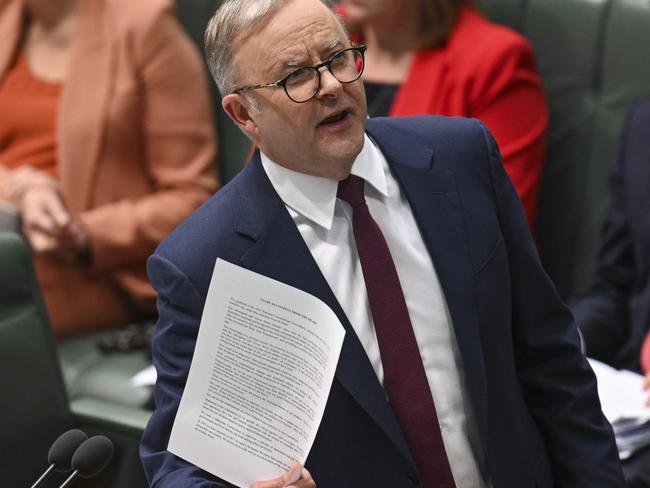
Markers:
404,378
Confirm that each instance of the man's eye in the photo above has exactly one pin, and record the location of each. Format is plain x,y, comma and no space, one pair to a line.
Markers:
342,59
300,76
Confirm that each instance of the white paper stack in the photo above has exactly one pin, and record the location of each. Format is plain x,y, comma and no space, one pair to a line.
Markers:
623,402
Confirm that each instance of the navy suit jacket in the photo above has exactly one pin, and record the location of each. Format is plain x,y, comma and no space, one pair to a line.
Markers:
614,316
533,393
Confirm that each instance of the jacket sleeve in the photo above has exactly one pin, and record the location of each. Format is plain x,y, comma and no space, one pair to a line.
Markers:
180,307
179,147
509,100
558,385
602,313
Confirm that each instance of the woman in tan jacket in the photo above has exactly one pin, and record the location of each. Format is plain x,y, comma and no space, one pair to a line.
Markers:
106,144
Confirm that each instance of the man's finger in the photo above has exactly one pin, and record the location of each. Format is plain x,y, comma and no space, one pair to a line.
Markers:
274,483
283,481
303,484
294,473
646,383
305,475
305,481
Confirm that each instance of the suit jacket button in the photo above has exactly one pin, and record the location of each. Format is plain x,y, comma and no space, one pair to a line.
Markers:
413,478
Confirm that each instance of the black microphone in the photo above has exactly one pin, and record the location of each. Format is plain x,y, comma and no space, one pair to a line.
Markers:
90,458
61,452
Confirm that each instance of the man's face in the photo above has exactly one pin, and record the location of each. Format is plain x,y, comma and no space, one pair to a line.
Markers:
321,136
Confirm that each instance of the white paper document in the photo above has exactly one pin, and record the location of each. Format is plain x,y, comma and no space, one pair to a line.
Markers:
260,377
623,402
621,393
145,377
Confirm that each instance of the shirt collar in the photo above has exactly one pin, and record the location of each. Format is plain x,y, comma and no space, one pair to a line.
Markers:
314,197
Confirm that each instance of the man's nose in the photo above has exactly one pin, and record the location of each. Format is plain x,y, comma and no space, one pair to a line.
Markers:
329,85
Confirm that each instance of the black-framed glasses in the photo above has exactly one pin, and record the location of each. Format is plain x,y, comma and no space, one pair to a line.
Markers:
302,85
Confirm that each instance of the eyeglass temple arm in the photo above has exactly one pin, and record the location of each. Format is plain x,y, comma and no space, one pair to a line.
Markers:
255,87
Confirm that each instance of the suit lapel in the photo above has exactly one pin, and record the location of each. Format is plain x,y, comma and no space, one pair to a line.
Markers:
85,103
280,253
436,207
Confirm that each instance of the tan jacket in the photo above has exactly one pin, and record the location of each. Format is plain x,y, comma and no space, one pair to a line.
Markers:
136,137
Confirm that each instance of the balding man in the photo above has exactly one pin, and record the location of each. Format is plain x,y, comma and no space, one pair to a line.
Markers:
460,365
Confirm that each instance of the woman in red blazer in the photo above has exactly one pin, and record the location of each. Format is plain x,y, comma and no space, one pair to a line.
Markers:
453,61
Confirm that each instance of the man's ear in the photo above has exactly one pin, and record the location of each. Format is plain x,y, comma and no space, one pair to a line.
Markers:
240,112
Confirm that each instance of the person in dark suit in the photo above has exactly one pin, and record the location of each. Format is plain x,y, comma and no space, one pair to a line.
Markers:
614,314
411,231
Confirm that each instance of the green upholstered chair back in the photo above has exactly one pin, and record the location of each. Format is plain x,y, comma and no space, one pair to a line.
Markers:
34,408
594,59
234,147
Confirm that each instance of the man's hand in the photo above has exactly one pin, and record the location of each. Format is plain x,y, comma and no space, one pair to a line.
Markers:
646,387
296,477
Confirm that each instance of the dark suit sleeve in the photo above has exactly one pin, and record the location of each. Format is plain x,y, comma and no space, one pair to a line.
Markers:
180,307
558,384
602,313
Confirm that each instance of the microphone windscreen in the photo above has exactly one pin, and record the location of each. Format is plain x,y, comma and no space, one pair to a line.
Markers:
92,456
64,448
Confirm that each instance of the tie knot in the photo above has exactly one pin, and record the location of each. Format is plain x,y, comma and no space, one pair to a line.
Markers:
351,191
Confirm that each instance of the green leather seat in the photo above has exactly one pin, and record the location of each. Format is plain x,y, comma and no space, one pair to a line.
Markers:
594,60
34,407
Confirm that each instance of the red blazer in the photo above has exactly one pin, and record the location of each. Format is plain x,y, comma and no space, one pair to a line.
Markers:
486,71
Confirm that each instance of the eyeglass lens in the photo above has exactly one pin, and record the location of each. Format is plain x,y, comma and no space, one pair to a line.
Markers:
345,66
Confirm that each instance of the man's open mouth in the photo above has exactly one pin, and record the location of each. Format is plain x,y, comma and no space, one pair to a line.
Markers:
334,118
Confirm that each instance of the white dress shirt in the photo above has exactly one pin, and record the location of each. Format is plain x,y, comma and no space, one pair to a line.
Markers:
325,223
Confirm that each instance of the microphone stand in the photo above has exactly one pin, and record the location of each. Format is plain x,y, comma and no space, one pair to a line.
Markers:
70,479
43,476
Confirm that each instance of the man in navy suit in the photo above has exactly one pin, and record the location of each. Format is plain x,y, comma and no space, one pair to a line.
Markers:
410,230
614,315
